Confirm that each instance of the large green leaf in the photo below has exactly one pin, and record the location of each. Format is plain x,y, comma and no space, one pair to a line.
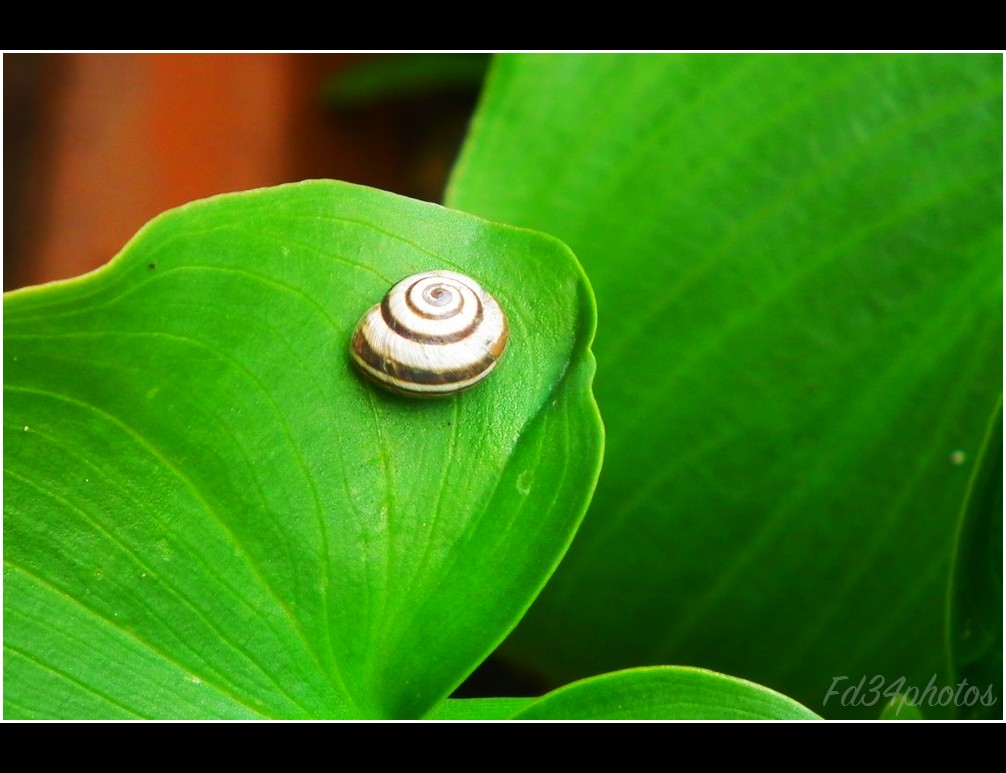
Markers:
797,262
206,512
664,693
975,593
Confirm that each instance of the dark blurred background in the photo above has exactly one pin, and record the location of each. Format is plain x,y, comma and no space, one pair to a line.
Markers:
95,145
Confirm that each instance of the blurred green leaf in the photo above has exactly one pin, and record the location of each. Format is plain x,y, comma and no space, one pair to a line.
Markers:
208,514
797,261
479,708
665,693
975,596
900,708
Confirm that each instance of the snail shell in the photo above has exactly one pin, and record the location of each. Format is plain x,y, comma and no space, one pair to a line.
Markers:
434,334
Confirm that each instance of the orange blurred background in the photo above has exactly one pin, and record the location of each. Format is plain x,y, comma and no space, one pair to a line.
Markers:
95,145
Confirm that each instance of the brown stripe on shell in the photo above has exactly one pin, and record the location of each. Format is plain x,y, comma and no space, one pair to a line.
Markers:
412,335
364,353
388,382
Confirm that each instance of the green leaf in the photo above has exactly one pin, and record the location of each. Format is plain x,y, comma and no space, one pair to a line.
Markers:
372,81
665,692
208,514
975,592
479,708
797,261
900,708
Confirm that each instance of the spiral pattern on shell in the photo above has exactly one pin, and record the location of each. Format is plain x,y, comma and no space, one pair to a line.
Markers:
434,334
